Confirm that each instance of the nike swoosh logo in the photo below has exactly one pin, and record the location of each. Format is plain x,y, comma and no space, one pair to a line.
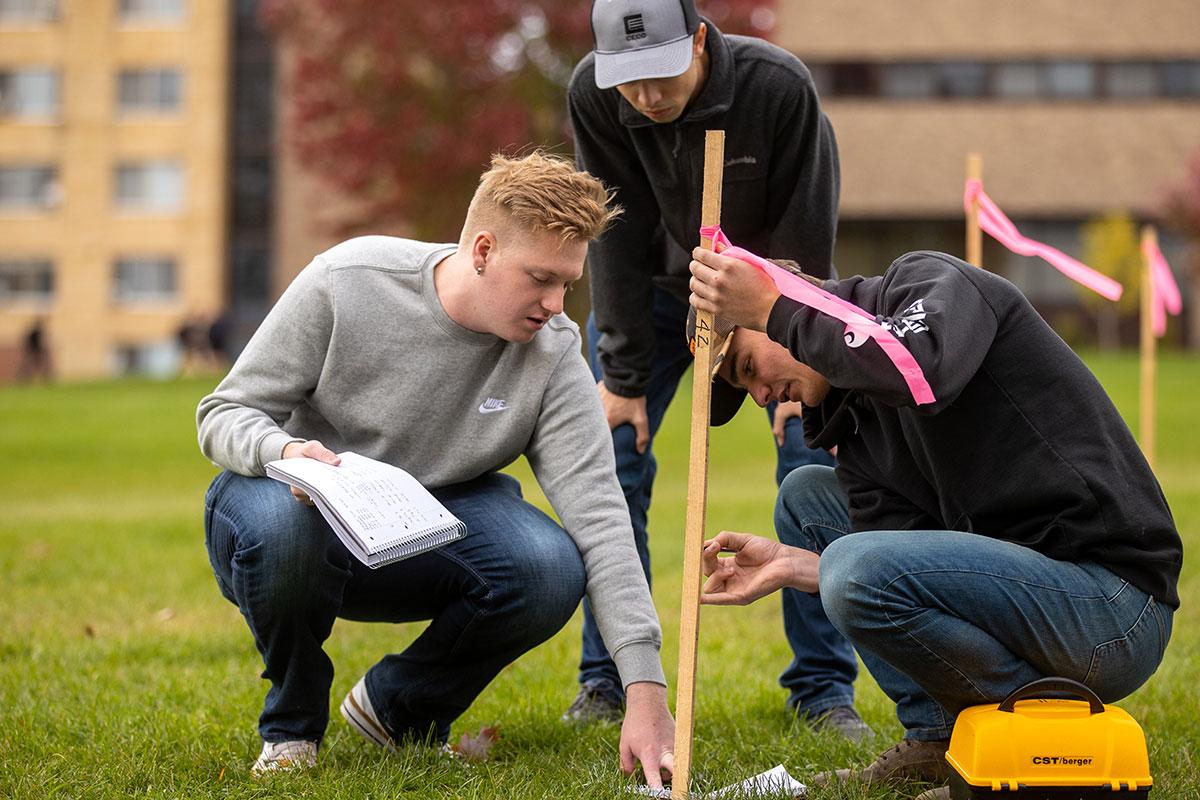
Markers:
492,405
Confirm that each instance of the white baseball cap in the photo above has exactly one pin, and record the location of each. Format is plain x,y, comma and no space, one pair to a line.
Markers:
642,39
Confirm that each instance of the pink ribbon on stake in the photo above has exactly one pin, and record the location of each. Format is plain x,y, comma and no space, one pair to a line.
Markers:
860,325
1164,292
993,221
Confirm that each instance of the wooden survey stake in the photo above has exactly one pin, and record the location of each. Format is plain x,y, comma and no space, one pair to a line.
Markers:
974,233
697,496
1146,402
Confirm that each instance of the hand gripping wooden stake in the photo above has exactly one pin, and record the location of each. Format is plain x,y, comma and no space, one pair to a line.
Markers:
697,496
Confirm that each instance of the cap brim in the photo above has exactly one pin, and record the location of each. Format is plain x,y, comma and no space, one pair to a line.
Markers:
661,61
725,402
726,398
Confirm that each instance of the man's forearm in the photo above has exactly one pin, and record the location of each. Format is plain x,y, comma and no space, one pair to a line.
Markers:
803,569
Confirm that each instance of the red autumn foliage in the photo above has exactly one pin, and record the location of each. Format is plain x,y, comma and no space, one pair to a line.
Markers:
479,746
399,105
1181,203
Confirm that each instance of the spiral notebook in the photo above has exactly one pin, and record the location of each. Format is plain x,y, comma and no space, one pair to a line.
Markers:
380,512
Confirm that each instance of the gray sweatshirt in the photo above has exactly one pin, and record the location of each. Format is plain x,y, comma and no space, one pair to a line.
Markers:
360,354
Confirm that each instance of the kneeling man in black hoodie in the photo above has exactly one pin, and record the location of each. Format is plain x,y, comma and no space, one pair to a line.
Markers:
1008,531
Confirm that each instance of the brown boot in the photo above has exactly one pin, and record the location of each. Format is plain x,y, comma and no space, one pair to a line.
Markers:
908,761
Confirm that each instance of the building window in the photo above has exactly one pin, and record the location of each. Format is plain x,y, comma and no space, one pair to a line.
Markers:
29,93
1040,284
25,187
1181,79
147,359
26,279
252,189
149,90
28,11
909,81
1019,80
1071,79
152,11
964,79
142,280
150,186
854,79
1131,80
1053,80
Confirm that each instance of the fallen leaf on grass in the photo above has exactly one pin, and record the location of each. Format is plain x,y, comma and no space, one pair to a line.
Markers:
477,747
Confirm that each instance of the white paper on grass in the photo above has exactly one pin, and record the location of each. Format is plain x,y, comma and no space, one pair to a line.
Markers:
775,781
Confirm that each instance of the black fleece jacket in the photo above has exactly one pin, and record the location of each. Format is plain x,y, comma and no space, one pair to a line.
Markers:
780,190
1022,444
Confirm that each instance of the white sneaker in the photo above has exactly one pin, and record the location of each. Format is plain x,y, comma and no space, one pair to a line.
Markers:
359,712
285,756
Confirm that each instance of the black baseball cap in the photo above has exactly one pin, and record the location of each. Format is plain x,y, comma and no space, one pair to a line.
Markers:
642,39
726,398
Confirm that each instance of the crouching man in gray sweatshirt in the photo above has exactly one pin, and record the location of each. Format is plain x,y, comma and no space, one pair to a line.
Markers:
449,361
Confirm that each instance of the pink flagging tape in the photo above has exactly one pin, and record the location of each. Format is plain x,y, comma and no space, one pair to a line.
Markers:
1164,291
993,221
860,325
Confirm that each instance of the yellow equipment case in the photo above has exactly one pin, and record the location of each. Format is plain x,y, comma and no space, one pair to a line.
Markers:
1035,747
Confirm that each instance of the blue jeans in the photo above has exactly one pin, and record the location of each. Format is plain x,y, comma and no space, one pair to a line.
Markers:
511,583
946,620
822,674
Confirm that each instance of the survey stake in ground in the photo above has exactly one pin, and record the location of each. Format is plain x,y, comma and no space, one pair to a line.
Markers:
1011,530
708,351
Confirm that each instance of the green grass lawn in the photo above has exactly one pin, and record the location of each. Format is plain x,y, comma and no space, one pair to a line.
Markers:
124,673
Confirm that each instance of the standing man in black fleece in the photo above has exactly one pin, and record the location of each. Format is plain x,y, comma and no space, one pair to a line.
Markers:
1008,531
640,104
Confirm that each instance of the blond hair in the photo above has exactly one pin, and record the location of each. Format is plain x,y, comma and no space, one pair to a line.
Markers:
541,192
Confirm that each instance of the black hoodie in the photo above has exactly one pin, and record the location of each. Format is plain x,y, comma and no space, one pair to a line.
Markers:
780,187
1022,444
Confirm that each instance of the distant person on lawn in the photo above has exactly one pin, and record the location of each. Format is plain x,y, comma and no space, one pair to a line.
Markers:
395,349
35,355
1009,531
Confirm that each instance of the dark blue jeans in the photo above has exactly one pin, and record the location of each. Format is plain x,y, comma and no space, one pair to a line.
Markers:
510,584
945,619
822,673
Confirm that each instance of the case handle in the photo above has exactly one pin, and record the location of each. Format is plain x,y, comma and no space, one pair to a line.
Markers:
1058,685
